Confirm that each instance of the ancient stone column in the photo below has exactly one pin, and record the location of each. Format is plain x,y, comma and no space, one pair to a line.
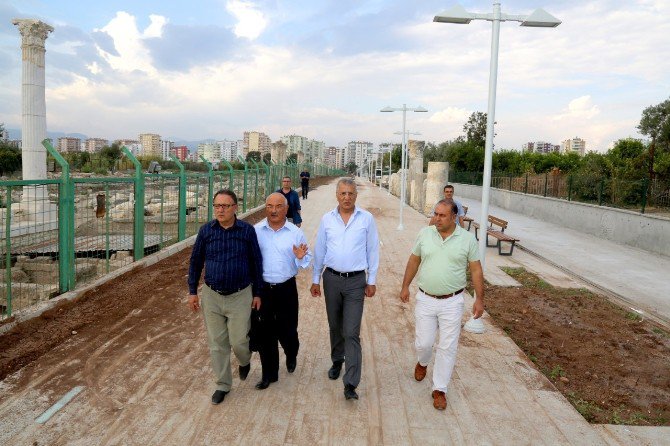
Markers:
415,175
33,113
438,174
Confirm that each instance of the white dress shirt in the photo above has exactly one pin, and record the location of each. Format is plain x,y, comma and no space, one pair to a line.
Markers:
347,248
279,261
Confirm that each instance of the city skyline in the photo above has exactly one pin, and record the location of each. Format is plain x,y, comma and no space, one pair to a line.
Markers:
324,70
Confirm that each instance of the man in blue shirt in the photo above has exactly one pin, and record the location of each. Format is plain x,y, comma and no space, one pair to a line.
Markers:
293,212
284,250
347,244
229,251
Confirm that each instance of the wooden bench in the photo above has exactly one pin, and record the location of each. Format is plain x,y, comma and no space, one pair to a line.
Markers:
497,234
465,217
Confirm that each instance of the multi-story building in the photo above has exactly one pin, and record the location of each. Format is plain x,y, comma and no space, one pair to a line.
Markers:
4,135
210,150
230,149
93,145
69,144
166,149
295,144
256,142
330,155
358,152
316,151
181,152
151,144
574,145
540,147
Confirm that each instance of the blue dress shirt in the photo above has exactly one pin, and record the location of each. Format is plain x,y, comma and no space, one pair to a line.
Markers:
347,248
279,261
231,257
293,201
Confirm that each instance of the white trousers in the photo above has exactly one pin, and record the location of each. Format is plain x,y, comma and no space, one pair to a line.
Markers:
444,315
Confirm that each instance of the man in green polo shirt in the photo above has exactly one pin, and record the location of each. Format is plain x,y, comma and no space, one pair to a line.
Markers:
441,255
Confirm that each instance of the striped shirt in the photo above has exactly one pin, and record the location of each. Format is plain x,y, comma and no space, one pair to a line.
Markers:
231,257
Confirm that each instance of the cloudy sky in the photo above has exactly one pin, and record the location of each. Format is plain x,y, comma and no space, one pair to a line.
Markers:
324,69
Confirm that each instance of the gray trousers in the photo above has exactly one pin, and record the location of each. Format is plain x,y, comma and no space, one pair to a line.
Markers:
344,306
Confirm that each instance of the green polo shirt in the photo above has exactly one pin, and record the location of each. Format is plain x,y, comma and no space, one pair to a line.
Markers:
443,262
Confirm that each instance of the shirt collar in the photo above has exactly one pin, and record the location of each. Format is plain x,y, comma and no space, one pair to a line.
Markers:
335,211
264,223
237,224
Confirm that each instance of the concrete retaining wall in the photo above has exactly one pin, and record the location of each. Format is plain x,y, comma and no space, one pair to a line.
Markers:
646,232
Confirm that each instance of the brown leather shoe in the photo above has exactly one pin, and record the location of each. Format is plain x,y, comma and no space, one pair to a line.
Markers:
420,372
439,400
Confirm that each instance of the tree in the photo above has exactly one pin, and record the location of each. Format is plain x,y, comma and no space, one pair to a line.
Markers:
351,167
10,158
254,155
292,158
475,129
111,154
267,158
655,123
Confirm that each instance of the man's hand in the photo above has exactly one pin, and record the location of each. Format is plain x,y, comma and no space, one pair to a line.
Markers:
478,308
315,289
256,303
404,294
370,290
193,302
300,251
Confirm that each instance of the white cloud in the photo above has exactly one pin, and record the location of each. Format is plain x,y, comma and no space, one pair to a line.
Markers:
450,115
250,21
580,108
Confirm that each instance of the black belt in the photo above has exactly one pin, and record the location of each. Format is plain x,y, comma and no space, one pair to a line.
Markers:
226,292
277,285
349,274
443,296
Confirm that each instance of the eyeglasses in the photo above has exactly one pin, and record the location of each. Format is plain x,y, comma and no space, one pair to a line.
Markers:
224,206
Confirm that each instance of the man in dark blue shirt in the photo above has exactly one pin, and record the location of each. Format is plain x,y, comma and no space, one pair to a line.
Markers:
293,213
229,251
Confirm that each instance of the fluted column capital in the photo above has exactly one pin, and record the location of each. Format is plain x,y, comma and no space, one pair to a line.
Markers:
33,32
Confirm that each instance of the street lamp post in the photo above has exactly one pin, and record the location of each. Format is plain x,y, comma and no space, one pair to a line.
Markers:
457,14
404,109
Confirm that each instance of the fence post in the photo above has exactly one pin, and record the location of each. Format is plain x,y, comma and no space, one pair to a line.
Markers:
510,183
526,187
181,220
645,185
255,182
66,258
8,252
244,190
600,192
210,194
570,188
267,178
138,217
230,174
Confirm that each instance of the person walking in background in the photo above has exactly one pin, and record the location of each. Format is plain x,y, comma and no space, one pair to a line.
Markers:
284,250
304,183
228,250
449,195
293,213
441,254
347,244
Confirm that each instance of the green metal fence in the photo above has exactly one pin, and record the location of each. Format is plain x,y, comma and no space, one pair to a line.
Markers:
643,195
58,234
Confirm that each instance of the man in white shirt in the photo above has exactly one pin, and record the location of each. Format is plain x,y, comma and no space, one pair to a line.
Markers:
284,249
347,244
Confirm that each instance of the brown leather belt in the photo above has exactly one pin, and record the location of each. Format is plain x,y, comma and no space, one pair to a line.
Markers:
444,296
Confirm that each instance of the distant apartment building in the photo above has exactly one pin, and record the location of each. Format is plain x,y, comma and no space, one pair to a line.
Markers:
540,147
295,144
180,152
574,145
210,150
229,150
316,151
359,152
94,145
69,144
151,144
330,156
256,142
4,135
166,149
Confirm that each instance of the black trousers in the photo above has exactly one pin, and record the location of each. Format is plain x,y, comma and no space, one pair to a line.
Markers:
279,322
305,189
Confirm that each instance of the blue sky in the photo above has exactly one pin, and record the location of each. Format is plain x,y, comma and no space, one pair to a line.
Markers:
323,69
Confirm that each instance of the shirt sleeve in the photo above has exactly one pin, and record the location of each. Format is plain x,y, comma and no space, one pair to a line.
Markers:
319,252
255,262
300,239
372,247
416,250
473,250
197,263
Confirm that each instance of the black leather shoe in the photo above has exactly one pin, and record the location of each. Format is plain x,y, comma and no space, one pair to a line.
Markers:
218,396
265,383
334,371
244,371
350,392
290,365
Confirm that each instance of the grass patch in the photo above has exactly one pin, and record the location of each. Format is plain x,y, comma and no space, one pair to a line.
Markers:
587,409
633,316
556,372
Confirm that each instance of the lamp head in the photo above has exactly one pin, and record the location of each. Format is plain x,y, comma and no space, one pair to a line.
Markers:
386,109
456,14
541,19
420,109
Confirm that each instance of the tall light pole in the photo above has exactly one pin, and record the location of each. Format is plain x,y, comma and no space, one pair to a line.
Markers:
404,109
457,14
